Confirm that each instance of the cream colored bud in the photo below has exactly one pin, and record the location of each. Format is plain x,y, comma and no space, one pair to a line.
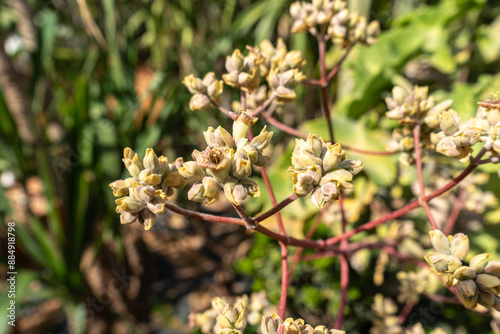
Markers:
146,193
333,156
151,160
449,121
148,218
262,140
285,95
479,262
218,137
130,204
270,324
147,177
352,166
191,171
340,176
302,183
157,203
440,242
127,217
193,84
488,283
234,63
460,246
301,160
132,162
199,102
492,268
196,192
468,293
464,273
241,126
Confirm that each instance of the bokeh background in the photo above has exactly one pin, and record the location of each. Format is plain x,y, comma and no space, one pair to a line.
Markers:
80,80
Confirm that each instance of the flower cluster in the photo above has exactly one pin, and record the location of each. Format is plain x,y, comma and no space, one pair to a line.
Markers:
278,66
206,92
478,283
144,194
409,108
385,320
321,168
457,138
343,27
413,284
227,163
255,306
274,324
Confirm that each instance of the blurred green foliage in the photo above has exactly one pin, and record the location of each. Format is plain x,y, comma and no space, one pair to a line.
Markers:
100,76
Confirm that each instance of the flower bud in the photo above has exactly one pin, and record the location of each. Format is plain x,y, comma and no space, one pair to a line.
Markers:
270,324
196,192
127,217
340,176
485,298
157,204
449,121
234,63
199,102
148,218
333,156
302,183
440,242
352,166
262,140
146,193
130,204
193,84
468,293
241,126
218,137
147,177
488,283
132,162
211,187
235,192
464,273
460,246
191,171
492,268
121,187
479,262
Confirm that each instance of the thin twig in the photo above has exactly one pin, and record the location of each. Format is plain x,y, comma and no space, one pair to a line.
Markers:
405,312
276,208
264,106
344,284
458,204
335,70
418,158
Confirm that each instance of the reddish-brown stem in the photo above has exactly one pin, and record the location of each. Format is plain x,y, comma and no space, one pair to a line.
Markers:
312,82
335,70
222,109
264,106
418,158
203,216
405,312
249,223
344,283
276,208
443,299
296,256
284,280
283,247
458,204
407,208
357,150
324,88
283,127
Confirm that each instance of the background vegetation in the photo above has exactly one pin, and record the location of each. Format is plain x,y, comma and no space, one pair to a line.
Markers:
81,80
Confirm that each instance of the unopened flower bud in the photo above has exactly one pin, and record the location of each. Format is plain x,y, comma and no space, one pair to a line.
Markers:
468,293
492,268
440,242
460,246
211,187
352,166
191,171
132,162
333,156
218,137
193,84
199,102
147,177
130,204
270,324
488,283
148,218
449,121
479,262
196,192
262,140
241,126
464,273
